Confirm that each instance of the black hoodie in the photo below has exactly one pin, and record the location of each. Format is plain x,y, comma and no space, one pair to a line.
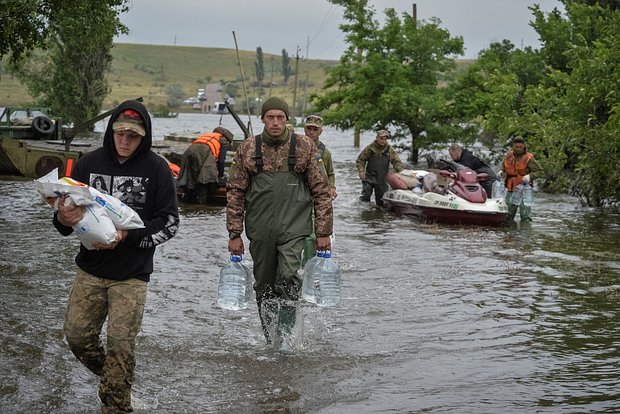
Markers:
145,183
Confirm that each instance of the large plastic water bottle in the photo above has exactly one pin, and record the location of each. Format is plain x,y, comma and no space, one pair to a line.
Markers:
528,195
310,284
498,191
517,195
327,272
235,287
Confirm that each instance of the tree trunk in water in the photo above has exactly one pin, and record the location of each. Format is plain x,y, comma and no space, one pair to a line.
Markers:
413,155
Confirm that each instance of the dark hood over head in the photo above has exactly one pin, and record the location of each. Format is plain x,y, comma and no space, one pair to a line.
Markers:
147,140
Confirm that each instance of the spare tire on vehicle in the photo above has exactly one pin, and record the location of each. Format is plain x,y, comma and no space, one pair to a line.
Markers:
42,127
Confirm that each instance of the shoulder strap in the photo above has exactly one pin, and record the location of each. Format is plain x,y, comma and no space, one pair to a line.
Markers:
292,152
292,155
259,154
321,149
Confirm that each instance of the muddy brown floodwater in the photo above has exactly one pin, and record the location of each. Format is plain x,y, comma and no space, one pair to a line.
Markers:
432,319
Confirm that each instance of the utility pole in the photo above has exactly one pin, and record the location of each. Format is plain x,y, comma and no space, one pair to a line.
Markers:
303,105
294,111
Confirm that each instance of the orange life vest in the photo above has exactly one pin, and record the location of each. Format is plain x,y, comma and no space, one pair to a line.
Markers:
515,168
174,168
212,139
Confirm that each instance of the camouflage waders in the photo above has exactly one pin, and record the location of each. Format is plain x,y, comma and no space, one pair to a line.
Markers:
377,168
92,299
525,212
278,221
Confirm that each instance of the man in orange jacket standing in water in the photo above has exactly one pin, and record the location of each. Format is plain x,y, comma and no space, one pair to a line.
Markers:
519,166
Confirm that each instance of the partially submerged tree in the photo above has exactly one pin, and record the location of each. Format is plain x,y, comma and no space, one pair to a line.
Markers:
565,98
390,76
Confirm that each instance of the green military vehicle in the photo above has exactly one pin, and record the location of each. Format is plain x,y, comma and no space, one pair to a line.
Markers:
29,140
32,143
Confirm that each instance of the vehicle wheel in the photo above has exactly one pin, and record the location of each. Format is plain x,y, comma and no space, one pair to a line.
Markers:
46,164
42,127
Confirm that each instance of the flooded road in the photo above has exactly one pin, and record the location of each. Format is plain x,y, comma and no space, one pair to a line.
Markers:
433,318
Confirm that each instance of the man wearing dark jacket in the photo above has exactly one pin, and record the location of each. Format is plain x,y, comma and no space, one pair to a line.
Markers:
466,158
111,281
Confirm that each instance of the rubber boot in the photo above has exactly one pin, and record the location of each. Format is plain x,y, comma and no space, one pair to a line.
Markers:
512,209
525,212
287,317
268,312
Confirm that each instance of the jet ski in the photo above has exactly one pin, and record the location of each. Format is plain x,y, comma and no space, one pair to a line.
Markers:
453,195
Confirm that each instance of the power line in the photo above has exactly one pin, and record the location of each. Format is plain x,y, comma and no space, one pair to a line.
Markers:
323,23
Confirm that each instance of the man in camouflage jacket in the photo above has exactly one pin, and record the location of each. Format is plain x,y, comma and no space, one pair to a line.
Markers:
274,190
373,164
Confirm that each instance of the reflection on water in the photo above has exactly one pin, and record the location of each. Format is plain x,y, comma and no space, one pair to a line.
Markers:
433,318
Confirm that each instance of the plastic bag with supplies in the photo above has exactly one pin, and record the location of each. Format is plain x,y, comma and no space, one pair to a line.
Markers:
103,214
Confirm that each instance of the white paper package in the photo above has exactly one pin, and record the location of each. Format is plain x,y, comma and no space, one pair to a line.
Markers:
103,215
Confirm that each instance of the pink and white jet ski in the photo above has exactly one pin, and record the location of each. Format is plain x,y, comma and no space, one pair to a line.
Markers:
461,200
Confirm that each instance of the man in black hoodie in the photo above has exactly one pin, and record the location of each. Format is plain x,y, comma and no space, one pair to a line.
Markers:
465,157
111,281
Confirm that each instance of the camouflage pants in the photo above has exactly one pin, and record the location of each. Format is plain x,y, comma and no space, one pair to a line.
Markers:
91,301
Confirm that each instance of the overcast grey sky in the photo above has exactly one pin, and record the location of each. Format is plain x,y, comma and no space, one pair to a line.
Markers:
274,25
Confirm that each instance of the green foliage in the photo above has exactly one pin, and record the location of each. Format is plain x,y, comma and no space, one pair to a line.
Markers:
286,66
612,4
563,99
70,76
259,66
175,94
231,89
24,26
390,75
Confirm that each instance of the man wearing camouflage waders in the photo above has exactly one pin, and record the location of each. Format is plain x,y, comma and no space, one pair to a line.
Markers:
373,164
111,281
274,183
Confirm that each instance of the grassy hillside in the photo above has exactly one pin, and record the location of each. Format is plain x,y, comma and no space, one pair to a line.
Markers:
146,70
